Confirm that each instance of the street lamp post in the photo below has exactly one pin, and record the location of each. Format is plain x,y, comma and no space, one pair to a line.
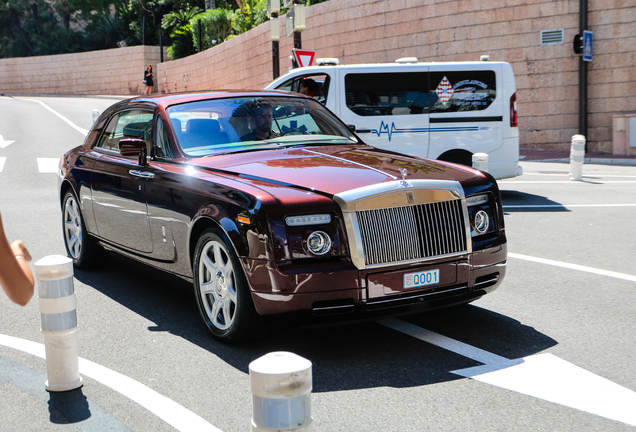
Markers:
273,9
295,22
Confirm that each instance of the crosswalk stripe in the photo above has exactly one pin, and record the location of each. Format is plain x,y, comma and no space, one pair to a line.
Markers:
48,165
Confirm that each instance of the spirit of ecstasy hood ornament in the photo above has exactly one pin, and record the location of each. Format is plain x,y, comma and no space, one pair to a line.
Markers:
404,182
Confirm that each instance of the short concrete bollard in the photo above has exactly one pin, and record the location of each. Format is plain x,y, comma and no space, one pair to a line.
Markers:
54,274
95,115
577,156
480,161
281,393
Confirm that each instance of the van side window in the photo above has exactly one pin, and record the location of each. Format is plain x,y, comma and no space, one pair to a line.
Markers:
382,94
462,91
318,89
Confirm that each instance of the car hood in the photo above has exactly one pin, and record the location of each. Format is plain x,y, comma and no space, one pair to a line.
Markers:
332,169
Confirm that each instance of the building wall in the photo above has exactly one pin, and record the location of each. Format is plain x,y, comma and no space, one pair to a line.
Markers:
107,72
362,31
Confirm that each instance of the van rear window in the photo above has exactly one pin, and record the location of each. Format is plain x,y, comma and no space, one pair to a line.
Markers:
408,93
462,91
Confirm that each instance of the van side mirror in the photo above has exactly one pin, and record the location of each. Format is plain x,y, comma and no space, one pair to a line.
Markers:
352,128
134,147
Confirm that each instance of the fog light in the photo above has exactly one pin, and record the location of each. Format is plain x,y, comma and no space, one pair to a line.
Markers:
319,243
482,221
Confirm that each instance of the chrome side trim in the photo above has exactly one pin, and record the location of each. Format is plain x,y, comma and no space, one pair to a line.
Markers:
333,307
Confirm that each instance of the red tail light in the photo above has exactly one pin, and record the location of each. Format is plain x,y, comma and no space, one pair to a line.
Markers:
513,110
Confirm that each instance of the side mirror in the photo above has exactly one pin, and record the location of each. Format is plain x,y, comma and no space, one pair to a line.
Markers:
352,128
134,147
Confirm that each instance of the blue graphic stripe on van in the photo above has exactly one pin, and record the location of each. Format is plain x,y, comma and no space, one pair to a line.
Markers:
465,119
385,129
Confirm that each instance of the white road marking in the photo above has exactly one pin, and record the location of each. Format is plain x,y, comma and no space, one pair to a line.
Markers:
5,144
2,161
48,165
590,177
566,205
547,377
597,271
167,410
543,376
70,123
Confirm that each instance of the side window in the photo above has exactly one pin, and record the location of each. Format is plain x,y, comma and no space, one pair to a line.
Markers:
127,124
382,94
316,86
162,149
462,91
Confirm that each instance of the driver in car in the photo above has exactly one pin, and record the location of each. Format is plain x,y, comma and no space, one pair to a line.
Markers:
260,124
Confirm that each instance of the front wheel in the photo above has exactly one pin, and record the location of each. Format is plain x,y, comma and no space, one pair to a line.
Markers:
80,246
221,290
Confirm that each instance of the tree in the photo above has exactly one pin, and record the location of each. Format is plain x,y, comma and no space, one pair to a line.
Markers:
178,22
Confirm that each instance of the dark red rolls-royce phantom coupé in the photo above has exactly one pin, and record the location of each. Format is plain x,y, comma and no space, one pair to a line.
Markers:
273,207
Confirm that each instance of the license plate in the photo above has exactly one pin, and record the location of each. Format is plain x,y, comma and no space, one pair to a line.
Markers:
423,278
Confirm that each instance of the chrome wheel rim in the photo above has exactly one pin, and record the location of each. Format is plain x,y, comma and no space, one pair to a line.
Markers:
73,227
217,285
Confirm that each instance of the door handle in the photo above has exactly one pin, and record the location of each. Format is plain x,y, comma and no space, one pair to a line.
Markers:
141,174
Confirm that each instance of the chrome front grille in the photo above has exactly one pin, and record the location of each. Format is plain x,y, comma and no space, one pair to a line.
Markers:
412,232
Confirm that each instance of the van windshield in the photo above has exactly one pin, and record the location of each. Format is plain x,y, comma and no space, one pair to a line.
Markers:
219,126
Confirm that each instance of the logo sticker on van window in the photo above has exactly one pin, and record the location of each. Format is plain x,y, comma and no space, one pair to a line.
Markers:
444,90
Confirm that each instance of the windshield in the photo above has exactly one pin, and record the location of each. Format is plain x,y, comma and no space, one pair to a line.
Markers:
219,126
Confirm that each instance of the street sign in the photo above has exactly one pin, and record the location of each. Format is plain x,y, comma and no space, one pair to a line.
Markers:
304,58
588,46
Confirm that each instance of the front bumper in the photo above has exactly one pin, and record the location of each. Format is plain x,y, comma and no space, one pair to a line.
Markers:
339,291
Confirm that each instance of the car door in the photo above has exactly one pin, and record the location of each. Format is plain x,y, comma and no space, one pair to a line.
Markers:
389,107
118,183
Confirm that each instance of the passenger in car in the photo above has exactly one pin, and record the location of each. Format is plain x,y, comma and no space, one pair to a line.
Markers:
309,87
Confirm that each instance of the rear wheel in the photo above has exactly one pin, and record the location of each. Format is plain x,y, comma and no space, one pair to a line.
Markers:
80,246
461,157
221,290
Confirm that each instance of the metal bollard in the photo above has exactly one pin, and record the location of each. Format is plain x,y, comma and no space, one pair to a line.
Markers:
95,115
54,274
577,155
281,393
480,161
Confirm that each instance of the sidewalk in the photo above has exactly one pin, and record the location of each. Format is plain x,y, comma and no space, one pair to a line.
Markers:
532,155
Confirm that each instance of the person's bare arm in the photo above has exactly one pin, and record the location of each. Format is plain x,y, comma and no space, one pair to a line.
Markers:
15,275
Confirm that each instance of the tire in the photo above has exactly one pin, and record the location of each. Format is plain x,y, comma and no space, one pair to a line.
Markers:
80,246
460,157
222,293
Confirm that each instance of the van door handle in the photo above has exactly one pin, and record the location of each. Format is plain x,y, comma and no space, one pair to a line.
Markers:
142,174
363,131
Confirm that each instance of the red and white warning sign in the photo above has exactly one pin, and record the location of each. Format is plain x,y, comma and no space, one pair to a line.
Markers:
444,90
304,58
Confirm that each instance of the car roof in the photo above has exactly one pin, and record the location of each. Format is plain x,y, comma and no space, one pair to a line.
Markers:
167,100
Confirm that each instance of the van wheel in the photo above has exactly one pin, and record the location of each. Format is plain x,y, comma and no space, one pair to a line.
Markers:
461,157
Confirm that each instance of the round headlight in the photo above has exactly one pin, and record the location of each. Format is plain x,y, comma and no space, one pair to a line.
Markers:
482,221
319,243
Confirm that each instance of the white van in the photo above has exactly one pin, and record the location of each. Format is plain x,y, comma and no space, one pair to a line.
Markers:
446,111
